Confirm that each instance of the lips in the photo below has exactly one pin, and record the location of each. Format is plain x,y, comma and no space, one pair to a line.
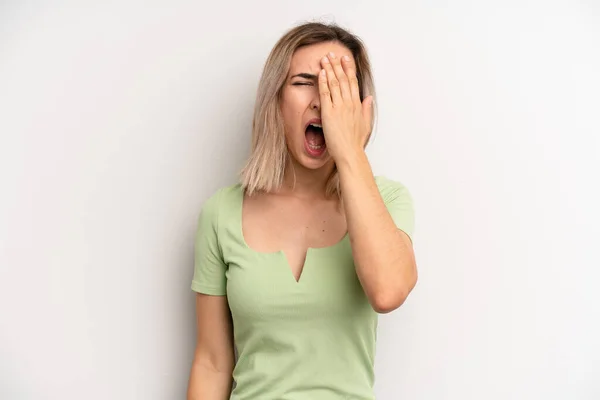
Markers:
312,121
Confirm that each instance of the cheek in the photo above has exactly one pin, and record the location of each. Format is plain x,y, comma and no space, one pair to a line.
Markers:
293,108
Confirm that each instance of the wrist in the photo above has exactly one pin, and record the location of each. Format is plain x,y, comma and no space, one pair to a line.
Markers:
351,160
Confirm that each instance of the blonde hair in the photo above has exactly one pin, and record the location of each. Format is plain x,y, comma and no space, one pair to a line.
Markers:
265,168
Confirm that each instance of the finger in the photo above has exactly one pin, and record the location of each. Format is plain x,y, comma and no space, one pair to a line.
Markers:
324,92
367,110
332,82
350,68
341,77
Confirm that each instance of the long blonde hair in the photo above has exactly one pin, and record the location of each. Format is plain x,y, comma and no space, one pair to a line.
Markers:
265,168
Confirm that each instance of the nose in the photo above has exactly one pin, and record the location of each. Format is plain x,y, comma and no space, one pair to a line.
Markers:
316,104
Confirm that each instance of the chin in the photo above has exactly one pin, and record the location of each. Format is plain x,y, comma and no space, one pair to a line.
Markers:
310,162
313,164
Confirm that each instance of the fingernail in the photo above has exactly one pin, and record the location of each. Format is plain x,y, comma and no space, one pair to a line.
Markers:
346,58
325,60
332,55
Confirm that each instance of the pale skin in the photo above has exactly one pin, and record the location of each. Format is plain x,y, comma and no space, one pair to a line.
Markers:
299,215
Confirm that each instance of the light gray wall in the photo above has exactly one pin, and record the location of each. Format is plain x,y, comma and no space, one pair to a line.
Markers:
117,121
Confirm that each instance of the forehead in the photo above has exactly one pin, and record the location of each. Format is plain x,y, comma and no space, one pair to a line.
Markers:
308,58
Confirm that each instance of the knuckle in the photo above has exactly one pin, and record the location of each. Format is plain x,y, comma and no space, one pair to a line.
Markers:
334,83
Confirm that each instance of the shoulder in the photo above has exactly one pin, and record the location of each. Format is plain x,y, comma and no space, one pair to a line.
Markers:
392,190
223,196
399,203
220,201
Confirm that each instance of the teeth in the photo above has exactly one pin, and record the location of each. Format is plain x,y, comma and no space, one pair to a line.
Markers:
317,125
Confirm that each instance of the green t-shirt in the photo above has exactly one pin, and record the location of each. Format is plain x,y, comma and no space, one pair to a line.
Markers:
311,339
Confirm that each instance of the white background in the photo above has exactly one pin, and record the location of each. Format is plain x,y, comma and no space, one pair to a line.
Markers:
118,120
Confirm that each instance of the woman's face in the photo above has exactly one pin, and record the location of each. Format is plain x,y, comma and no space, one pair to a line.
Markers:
300,104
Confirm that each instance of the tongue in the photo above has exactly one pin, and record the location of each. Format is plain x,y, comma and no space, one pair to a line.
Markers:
315,137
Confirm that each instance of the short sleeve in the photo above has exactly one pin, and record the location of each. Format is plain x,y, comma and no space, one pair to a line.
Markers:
399,203
209,267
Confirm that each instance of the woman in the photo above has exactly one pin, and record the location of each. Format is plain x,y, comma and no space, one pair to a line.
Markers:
295,262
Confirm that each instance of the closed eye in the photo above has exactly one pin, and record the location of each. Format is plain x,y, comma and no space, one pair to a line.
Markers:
302,84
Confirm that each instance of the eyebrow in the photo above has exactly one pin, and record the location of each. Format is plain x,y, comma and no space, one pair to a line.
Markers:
305,76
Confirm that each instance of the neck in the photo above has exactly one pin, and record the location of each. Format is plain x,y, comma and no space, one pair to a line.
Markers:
305,182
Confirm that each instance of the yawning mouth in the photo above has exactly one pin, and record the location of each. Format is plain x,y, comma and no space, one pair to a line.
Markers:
315,140
314,135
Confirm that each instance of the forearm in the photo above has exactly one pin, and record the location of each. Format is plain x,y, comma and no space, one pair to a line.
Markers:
208,383
382,254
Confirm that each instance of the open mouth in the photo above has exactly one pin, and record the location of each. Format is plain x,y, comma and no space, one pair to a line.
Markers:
315,140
